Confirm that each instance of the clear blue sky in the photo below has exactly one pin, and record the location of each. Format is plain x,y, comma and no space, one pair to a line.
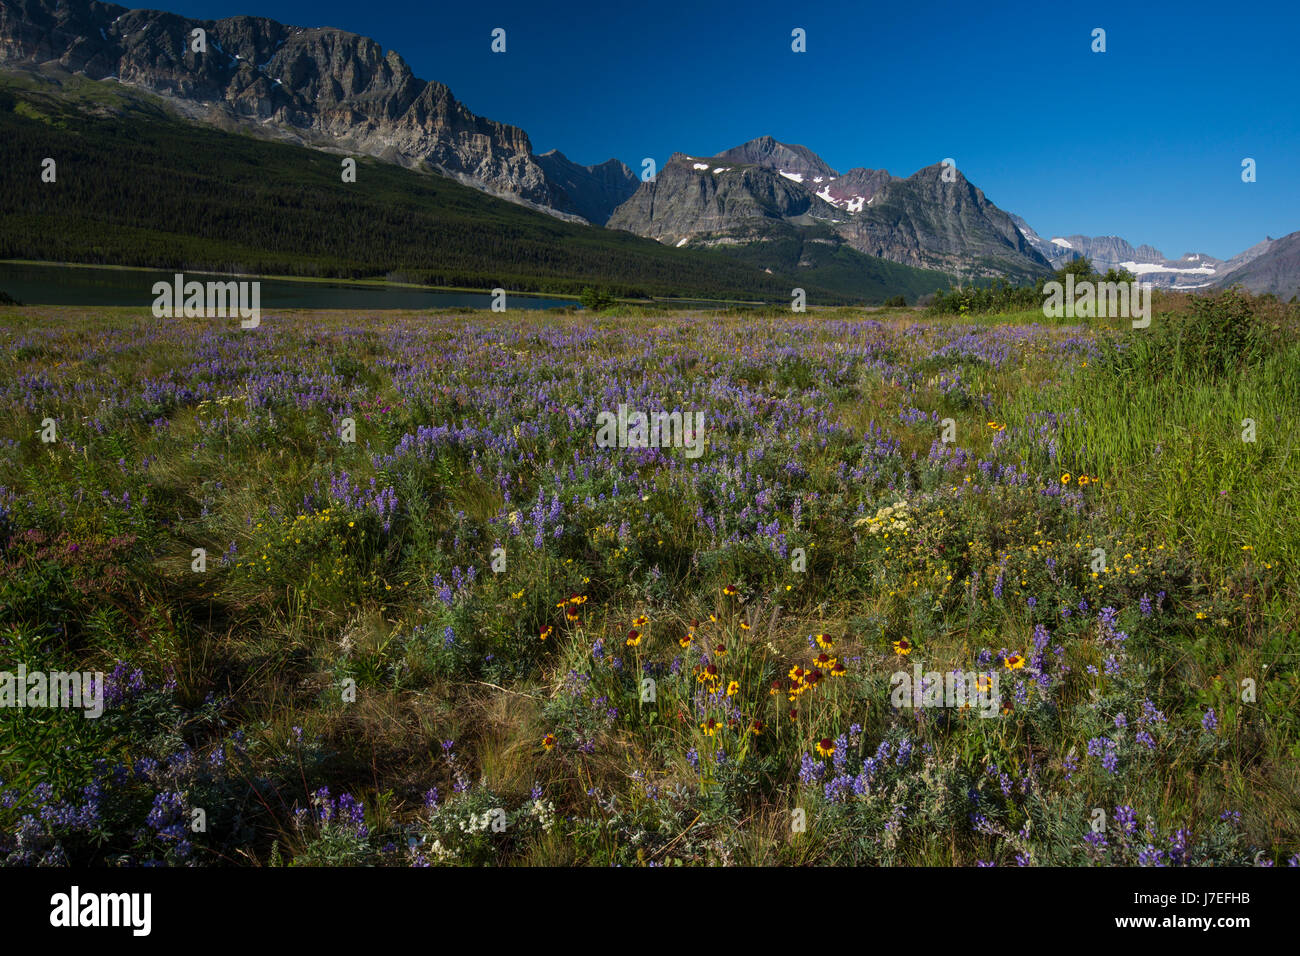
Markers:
1144,141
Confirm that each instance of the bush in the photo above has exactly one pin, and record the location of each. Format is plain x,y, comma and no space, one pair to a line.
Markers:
1221,335
595,300
1002,296
999,297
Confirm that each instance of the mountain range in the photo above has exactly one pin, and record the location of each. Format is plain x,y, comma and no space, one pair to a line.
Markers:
933,219
778,209
1193,270
314,86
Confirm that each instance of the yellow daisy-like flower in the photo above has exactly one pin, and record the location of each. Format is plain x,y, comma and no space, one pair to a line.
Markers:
546,632
548,742
744,626
902,646
730,590
684,641
633,638
1065,478
733,688
1014,662
825,747
641,621
711,727
825,643
838,669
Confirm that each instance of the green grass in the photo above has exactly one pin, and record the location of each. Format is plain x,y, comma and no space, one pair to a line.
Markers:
335,642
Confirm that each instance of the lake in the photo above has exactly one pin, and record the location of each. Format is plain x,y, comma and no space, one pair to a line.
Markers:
80,285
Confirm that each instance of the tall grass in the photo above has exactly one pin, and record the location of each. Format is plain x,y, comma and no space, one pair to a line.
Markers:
1191,424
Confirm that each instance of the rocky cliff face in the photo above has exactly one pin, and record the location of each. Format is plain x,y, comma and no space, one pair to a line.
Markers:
769,154
1270,266
920,221
593,192
856,189
924,220
707,200
321,87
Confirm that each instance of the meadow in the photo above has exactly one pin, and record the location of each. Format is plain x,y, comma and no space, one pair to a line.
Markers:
474,636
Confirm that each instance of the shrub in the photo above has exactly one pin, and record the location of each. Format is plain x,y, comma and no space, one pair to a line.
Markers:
1221,335
595,300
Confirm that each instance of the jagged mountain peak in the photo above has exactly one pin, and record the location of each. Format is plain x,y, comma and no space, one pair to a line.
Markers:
317,86
771,154
765,191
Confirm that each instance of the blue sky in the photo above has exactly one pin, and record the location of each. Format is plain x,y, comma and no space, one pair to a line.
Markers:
1144,141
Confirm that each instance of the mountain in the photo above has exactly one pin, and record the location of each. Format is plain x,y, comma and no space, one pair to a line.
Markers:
322,87
757,191
1194,270
140,185
797,162
855,189
593,192
709,201
1274,268
1250,255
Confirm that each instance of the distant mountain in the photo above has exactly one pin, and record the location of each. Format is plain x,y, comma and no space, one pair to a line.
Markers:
138,185
1275,268
756,191
1194,270
593,192
321,87
797,162
276,208
777,206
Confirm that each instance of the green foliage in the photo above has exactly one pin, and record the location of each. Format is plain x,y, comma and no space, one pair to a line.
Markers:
983,298
1221,336
595,300
830,271
140,188
1000,296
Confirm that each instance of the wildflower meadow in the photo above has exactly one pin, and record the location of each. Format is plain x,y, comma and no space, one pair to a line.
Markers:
650,588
